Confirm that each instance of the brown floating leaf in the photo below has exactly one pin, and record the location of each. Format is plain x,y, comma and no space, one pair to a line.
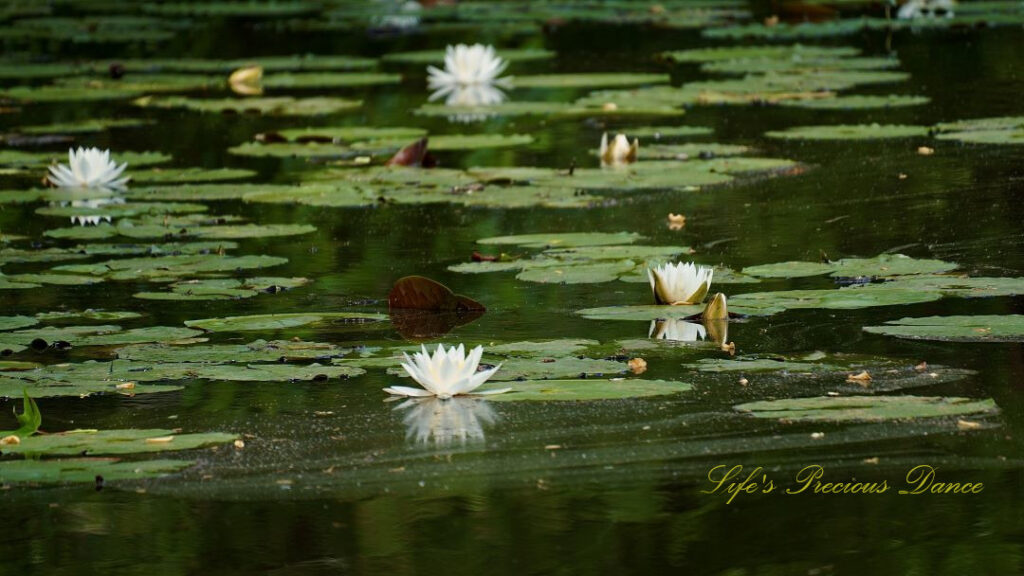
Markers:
478,257
864,379
423,308
11,440
414,154
967,425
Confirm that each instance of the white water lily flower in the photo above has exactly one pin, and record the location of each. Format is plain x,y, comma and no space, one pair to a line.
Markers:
446,374
467,66
620,151
446,421
680,283
914,9
677,330
88,168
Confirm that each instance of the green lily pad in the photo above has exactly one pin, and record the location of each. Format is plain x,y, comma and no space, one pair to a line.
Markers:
276,106
44,159
880,266
292,63
340,134
865,408
15,322
849,132
184,175
226,232
551,109
115,442
573,273
121,210
990,328
588,80
730,53
253,352
85,126
692,150
300,80
560,240
437,56
849,298
283,321
223,288
441,142
798,65
858,102
665,132
86,470
585,390
101,335
90,314
961,286
645,313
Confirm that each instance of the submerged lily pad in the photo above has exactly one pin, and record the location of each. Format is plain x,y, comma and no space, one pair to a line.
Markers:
982,328
849,132
585,390
865,408
283,321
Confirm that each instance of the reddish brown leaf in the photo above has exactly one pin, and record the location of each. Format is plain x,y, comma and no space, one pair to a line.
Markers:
420,293
478,257
411,155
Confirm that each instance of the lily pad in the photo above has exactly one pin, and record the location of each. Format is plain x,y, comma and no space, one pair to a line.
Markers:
850,132
292,63
665,132
283,321
115,442
253,352
323,80
990,328
858,102
880,266
90,314
85,126
277,106
588,80
15,322
585,390
223,289
567,239
183,175
729,53
866,408
86,470
437,56
171,267
100,335
849,298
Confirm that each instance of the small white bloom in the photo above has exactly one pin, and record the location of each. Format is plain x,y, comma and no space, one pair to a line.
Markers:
446,374
446,421
677,330
680,283
914,9
88,168
620,151
466,66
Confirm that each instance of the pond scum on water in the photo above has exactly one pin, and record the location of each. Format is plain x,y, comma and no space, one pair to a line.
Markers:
339,275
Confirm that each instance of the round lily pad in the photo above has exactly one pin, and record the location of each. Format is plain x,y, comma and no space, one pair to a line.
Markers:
865,408
282,321
982,328
849,132
585,390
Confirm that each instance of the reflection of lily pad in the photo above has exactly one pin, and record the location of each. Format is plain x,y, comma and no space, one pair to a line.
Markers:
865,408
991,328
583,390
849,132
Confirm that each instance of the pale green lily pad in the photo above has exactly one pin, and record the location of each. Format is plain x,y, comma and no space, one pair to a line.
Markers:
293,63
171,267
572,273
566,240
437,56
339,134
880,266
50,93
519,369
44,159
858,102
728,53
1011,123
866,408
985,136
981,328
136,84
15,322
14,365
277,106
584,390
664,132
849,298
85,126
299,80
551,109
184,175
588,80
234,9
55,279
121,210
223,288
253,352
440,142
115,442
225,232
101,335
122,371
798,65
86,470
644,313
90,314
961,286
850,132
692,150
547,348
284,321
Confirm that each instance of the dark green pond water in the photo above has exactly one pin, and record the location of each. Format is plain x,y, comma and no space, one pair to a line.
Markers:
333,479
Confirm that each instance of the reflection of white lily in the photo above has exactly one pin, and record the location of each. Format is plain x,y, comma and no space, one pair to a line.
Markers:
446,421
620,151
88,168
680,283
446,374
676,330
469,97
913,9
91,203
